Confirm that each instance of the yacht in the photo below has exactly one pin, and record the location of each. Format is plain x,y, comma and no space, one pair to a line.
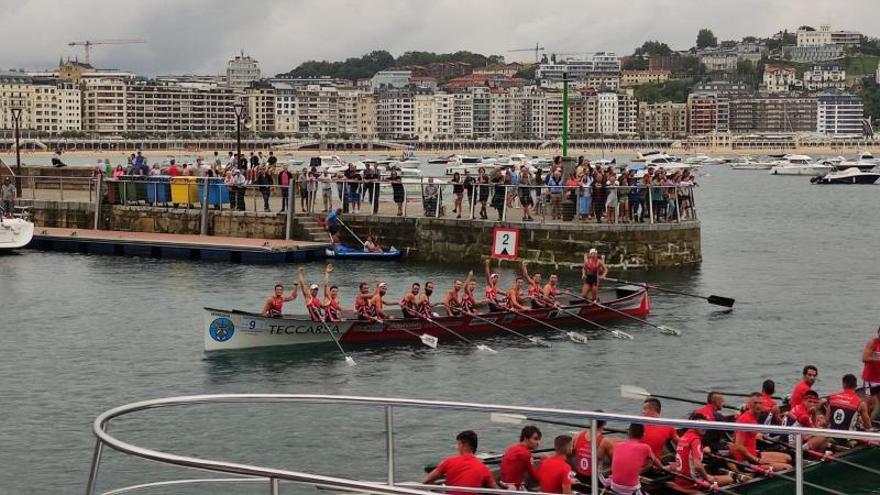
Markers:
700,158
866,161
15,232
799,165
472,164
440,160
325,162
671,164
650,155
748,163
851,175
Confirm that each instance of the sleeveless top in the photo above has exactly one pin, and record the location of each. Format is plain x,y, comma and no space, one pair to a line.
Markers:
315,309
333,310
365,309
583,453
277,304
467,302
592,266
871,371
843,407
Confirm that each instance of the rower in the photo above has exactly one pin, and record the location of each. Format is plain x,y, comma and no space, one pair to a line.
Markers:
745,445
712,410
468,299
379,303
274,305
805,415
810,374
656,436
550,291
423,305
363,302
464,469
332,309
513,295
313,303
517,460
452,301
496,301
409,303
846,409
871,372
630,458
535,290
554,472
592,271
769,407
583,453
689,457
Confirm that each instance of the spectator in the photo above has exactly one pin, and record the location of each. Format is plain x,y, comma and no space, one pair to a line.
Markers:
155,170
598,194
483,191
108,169
397,191
284,181
623,198
468,185
303,180
333,224
555,185
431,197
173,171
327,191
370,245
499,179
119,172
139,161
525,194
514,178
585,195
657,193
264,180
7,197
56,160
272,160
230,162
369,176
238,190
611,202
255,161
636,192
457,194
354,191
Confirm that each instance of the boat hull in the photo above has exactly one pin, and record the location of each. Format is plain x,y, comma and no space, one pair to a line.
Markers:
233,329
358,254
862,178
15,233
813,171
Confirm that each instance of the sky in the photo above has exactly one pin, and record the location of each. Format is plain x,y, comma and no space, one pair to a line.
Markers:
199,36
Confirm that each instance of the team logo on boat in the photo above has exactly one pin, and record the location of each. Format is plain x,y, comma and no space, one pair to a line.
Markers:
221,329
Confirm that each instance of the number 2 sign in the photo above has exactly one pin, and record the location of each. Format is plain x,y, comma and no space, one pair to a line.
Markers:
505,243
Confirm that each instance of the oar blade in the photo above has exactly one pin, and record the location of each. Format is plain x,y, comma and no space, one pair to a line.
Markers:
578,338
486,348
429,340
668,331
633,392
510,419
350,361
621,335
727,302
538,341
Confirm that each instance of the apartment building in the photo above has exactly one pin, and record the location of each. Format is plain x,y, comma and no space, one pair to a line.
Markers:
630,78
395,114
241,71
840,113
825,36
151,107
708,112
261,105
662,119
825,76
104,104
389,79
778,79
773,114
807,54
579,68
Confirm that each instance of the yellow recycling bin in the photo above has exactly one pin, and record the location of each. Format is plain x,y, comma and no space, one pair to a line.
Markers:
184,190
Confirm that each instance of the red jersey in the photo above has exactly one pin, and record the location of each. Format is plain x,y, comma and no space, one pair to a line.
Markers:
583,453
749,438
592,266
467,302
333,310
630,457
688,452
656,437
554,474
801,416
517,461
843,407
277,304
466,471
797,395
708,411
767,403
315,309
871,371
364,307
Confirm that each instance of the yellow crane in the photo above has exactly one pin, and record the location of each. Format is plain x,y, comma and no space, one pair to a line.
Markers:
88,44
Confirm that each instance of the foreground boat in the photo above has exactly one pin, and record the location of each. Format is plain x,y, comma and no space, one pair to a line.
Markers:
228,329
852,175
15,233
345,252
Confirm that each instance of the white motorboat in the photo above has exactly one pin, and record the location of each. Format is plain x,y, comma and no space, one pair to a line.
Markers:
472,164
747,163
15,232
851,175
650,155
671,164
697,159
799,165
866,161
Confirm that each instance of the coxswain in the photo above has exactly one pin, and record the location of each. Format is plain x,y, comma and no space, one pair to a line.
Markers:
517,460
363,302
810,374
745,444
379,302
592,272
409,303
494,298
332,309
535,290
314,306
465,469
657,436
275,303
689,457
583,453
630,458
805,415
871,372
423,302
554,472
846,410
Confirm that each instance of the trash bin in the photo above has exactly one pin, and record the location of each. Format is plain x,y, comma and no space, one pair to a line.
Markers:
135,189
113,193
158,189
184,190
218,193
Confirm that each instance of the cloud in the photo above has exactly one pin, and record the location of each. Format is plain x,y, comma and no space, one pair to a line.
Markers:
198,36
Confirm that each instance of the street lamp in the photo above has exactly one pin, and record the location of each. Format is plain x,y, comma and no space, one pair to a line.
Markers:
239,114
16,119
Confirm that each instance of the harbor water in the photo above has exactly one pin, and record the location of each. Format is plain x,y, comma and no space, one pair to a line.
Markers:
84,333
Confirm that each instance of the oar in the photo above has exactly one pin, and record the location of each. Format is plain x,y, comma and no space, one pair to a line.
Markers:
638,393
518,419
727,302
770,474
731,394
461,337
350,231
348,359
534,340
824,456
617,333
701,483
428,340
574,336
663,328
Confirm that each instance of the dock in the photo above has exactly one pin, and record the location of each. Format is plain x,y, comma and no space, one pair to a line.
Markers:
176,246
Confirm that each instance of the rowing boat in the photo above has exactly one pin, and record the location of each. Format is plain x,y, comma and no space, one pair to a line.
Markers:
344,252
229,329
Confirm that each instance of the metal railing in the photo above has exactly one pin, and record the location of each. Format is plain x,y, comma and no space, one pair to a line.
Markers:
273,476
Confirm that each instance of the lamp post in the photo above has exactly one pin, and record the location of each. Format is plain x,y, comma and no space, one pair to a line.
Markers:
16,119
239,114
565,114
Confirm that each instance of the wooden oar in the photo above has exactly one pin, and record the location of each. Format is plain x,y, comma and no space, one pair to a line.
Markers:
518,419
701,483
771,474
348,359
731,394
727,302
663,328
350,231
428,340
461,337
616,333
574,336
534,340
639,393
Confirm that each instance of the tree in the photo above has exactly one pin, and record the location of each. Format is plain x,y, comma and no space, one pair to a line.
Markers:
527,73
674,90
706,39
870,94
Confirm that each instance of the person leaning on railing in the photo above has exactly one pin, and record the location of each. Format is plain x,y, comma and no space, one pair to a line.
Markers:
499,180
7,197
397,191
525,194
284,178
555,184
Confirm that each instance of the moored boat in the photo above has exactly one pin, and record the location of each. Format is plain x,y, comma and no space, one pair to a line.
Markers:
852,175
345,252
229,329
799,165
15,232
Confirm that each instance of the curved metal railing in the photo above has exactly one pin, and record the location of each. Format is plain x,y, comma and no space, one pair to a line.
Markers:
256,474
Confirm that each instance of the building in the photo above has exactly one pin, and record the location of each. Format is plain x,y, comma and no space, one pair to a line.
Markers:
662,119
395,114
509,70
877,75
156,108
808,54
825,76
46,105
440,70
629,78
606,113
773,114
825,36
839,113
708,112
719,61
424,82
779,79
241,71
261,107
578,69
723,88
104,104
387,79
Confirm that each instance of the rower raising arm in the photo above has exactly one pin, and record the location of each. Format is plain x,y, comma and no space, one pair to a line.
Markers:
310,294
275,303
535,291
363,302
332,309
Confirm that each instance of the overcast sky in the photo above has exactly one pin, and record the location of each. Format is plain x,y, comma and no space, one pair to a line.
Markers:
198,36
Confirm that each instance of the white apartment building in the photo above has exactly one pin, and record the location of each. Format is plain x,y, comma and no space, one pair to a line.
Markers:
663,119
630,78
425,120
840,113
627,113
104,104
825,76
260,101
825,36
47,106
241,71
606,112
579,68
387,79
395,115
150,107
463,115
779,79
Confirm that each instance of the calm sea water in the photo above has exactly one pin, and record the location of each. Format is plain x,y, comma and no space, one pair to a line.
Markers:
82,334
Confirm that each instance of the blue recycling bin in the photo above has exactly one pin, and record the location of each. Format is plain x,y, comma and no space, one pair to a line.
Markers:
218,193
158,189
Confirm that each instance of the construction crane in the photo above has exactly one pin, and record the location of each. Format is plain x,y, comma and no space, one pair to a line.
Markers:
88,44
536,49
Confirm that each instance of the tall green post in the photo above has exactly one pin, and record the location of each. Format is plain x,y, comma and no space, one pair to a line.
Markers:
565,114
